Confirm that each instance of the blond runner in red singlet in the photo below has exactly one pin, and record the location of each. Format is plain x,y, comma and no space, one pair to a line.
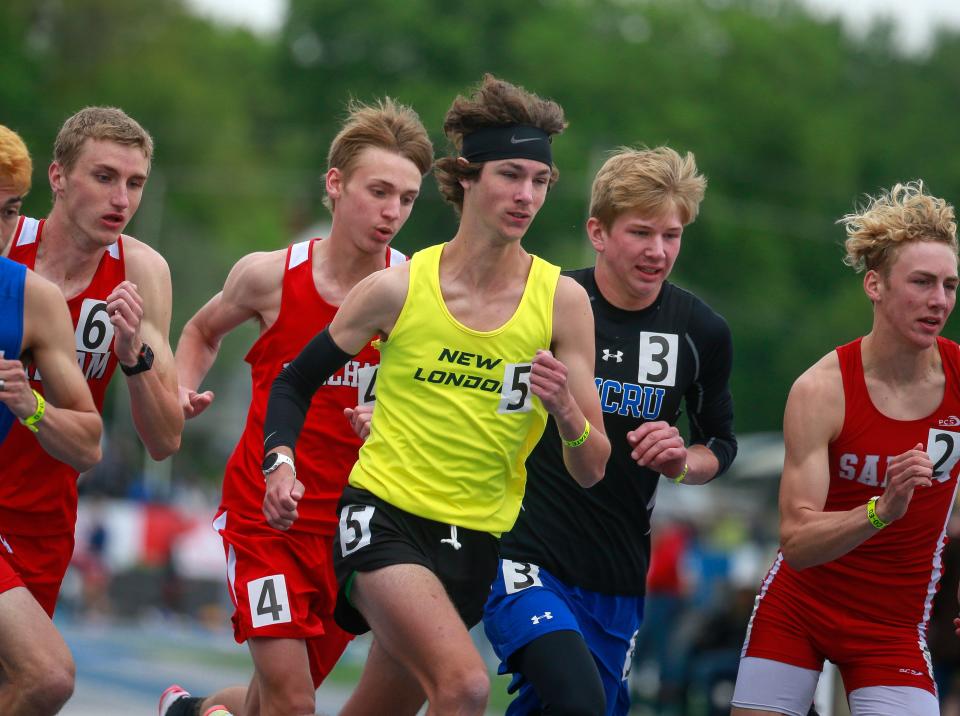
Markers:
872,439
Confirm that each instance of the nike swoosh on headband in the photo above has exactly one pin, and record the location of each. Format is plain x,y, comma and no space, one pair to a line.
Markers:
514,140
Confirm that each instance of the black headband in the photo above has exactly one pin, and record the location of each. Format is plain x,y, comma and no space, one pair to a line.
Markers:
518,141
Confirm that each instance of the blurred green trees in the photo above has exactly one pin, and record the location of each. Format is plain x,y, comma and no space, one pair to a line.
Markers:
791,120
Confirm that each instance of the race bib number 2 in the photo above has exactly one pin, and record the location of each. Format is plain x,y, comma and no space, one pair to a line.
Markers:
943,447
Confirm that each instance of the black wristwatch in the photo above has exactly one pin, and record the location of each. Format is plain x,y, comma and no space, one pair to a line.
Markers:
273,461
144,361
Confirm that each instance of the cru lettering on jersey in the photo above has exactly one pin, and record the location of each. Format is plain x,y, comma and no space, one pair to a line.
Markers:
513,385
943,447
638,401
656,371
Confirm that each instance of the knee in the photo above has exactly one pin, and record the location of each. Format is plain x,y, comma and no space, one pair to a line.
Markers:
50,687
286,702
467,691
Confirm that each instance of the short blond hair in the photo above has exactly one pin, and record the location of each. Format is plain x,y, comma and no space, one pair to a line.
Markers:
104,123
892,219
387,125
653,182
493,103
15,164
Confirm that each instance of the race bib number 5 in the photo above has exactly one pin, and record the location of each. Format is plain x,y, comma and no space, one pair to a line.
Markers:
515,395
355,527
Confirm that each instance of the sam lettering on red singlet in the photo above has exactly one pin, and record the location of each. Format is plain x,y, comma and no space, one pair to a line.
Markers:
92,365
871,470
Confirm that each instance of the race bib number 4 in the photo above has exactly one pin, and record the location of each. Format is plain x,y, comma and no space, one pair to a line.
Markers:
367,385
269,603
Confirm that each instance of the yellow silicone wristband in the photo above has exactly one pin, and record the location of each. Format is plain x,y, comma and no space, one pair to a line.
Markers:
580,440
31,421
872,513
679,478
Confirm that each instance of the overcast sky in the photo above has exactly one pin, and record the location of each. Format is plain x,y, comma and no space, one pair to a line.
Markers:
915,18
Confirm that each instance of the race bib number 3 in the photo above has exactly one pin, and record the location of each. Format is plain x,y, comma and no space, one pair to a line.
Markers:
269,603
518,576
658,359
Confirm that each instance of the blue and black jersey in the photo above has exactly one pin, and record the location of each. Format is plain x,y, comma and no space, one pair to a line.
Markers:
676,352
12,281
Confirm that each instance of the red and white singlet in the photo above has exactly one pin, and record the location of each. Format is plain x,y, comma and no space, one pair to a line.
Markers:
881,592
38,493
327,448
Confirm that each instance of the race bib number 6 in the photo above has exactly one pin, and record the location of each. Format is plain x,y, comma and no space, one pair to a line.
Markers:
94,330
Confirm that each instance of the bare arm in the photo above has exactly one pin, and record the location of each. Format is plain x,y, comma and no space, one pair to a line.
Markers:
252,290
139,310
71,426
813,418
564,383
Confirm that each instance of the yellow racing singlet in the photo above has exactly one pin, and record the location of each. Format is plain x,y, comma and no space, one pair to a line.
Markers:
455,417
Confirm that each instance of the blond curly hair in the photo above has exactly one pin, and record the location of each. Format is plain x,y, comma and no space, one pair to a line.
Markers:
905,214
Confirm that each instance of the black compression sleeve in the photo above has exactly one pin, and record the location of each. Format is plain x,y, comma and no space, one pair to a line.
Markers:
708,400
293,389
563,673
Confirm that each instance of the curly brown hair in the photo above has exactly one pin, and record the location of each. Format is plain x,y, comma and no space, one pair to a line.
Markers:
493,103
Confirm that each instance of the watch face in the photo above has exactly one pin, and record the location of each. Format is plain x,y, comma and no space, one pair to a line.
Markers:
270,462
